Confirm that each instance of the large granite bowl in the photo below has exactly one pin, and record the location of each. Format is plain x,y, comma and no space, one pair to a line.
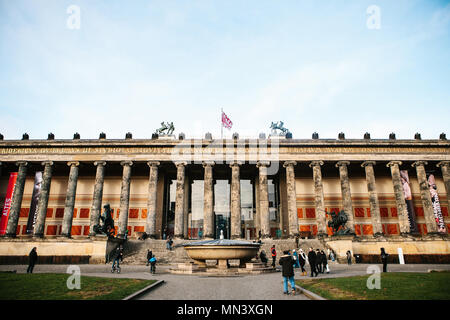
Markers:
222,249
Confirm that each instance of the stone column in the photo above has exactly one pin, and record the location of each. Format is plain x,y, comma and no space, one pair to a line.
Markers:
291,198
96,209
70,199
403,219
426,196
235,201
318,198
264,216
150,225
346,194
39,227
13,220
179,201
445,168
208,201
373,198
124,198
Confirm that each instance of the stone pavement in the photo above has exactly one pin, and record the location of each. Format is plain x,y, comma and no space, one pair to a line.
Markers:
198,287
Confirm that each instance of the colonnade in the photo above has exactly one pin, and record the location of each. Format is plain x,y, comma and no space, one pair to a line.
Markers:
262,198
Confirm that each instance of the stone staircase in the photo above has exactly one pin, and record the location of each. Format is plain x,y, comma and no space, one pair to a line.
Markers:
135,251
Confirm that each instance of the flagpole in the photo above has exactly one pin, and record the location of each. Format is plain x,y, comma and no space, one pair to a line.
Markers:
221,123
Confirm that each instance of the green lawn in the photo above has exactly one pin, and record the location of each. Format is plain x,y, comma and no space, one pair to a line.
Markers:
393,286
52,286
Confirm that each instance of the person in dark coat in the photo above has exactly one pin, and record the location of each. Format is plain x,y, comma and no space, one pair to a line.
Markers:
324,261
263,257
287,271
384,258
319,261
312,262
349,257
32,260
149,256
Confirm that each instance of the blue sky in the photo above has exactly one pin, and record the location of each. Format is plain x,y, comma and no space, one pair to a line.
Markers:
313,64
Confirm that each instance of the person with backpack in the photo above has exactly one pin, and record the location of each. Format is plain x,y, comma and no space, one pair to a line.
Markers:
152,265
287,270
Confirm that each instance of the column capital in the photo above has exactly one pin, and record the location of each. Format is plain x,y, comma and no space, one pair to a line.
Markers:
153,163
48,162
100,162
126,163
368,163
236,164
73,163
180,164
342,163
21,163
393,163
316,163
419,163
208,164
289,164
262,164
440,164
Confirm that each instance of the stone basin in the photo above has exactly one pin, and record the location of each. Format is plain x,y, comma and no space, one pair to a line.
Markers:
221,250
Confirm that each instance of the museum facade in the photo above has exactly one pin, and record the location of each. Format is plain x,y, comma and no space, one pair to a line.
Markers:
274,187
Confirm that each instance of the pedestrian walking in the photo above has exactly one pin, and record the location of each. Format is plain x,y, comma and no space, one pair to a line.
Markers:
295,256
32,260
149,256
349,257
117,257
274,255
302,261
324,262
384,259
332,255
287,271
312,262
319,261
152,265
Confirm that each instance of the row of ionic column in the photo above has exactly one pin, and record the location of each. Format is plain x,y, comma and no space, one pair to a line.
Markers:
263,220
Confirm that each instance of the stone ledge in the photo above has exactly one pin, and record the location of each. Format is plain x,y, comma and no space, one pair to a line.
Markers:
144,290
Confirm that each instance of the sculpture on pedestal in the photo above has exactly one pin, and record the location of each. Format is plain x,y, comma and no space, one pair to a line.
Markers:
166,128
337,222
278,126
107,227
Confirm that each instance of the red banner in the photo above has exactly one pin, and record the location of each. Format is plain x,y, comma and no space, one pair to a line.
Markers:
8,202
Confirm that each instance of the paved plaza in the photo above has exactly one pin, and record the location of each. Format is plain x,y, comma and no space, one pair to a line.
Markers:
202,287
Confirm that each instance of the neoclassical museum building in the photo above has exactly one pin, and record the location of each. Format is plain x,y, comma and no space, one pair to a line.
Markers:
273,187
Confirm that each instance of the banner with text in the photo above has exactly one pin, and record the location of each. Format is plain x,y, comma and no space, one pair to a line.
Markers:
8,202
34,202
436,205
409,201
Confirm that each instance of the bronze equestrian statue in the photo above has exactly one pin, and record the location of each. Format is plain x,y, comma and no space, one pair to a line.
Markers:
337,222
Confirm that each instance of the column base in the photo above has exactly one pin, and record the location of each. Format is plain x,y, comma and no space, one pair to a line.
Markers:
65,236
